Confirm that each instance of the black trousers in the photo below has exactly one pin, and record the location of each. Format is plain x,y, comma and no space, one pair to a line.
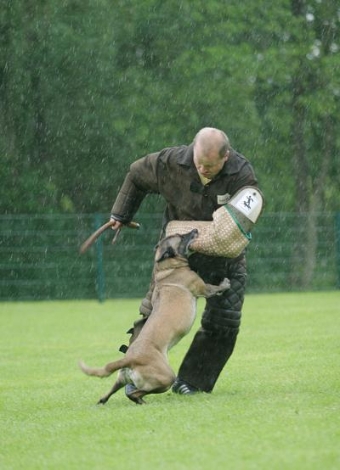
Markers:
214,342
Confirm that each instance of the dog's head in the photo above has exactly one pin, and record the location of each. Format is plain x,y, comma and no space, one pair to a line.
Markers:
175,246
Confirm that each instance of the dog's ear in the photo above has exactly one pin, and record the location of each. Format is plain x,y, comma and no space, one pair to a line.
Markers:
166,253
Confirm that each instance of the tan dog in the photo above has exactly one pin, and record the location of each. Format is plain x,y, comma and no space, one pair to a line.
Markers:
145,364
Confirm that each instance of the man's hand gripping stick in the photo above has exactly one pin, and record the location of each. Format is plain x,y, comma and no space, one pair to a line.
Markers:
86,245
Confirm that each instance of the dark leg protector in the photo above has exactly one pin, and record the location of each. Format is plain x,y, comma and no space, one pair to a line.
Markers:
206,358
214,342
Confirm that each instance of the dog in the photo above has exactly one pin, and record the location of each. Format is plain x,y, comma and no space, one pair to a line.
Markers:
145,364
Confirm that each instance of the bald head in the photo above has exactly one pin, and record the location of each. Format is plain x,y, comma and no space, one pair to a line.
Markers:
212,140
211,151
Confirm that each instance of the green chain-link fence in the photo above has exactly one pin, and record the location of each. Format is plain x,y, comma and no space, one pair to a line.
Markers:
39,256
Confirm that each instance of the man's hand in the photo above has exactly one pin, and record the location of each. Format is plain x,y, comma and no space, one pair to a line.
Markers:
116,224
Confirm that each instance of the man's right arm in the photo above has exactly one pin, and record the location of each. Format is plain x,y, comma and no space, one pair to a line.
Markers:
127,202
140,180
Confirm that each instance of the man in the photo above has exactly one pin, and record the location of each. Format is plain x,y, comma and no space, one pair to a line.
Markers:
195,180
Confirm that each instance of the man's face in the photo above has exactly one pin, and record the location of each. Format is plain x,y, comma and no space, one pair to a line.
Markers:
208,165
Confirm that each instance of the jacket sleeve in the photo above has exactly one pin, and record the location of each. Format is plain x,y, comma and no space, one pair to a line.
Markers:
140,180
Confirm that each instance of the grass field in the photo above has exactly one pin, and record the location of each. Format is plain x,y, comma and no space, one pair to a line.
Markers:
275,406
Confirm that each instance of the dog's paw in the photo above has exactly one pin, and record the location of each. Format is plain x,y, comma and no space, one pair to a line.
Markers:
224,285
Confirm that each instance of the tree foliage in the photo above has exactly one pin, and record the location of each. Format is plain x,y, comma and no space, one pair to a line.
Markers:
86,87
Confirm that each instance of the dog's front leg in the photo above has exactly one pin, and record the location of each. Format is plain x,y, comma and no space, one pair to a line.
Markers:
211,290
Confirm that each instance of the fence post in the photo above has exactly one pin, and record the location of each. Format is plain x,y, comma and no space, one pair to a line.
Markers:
337,244
100,281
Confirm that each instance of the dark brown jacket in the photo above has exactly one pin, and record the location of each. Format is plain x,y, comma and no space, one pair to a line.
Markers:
172,174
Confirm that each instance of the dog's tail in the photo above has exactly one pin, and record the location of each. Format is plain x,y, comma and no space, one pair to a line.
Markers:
105,371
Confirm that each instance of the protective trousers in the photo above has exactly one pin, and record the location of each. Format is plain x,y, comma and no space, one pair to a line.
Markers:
214,342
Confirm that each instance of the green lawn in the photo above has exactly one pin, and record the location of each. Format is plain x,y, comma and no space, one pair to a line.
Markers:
275,406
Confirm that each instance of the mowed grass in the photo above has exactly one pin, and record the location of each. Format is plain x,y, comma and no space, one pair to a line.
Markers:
275,406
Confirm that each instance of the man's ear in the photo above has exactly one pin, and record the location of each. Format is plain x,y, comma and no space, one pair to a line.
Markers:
166,253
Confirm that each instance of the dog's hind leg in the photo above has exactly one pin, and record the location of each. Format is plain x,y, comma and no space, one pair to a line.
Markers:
117,386
136,396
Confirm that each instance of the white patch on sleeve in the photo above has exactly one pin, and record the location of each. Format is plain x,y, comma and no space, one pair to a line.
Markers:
223,199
